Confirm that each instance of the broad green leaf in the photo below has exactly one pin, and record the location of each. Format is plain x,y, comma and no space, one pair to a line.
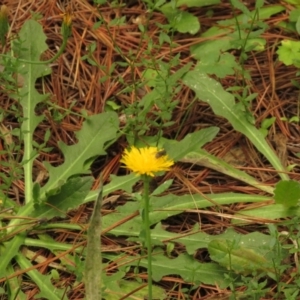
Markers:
194,240
287,193
116,289
220,251
294,2
298,25
259,4
31,48
185,266
150,76
224,65
8,250
47,242
199,240
267,122
241,6
117,183
267,212
223,104
210,50
218,32
54,274
70,196
162,188
181,21
294,15
174,204
239,257
96,131
192,142
226,27
13,287
187,23
263,13
47,289
194,3
287,26
255,44
167,206
203,158
289,53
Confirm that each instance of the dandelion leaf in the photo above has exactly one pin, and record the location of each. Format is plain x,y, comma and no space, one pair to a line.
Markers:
185,266
69,196
224,104
29,47
96,132
287,193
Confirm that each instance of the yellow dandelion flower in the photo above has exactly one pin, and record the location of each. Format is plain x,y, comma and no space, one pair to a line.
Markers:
66,24
145,161
67,18
4,25
3,12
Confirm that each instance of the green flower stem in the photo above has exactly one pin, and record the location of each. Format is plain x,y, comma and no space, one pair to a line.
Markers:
146,220
44,62
66,32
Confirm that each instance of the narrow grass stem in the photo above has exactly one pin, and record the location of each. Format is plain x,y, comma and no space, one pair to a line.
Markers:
146,180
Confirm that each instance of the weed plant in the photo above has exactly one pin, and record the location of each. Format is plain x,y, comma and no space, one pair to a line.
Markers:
262,264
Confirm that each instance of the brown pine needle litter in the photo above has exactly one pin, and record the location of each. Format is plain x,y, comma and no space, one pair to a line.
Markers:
76,84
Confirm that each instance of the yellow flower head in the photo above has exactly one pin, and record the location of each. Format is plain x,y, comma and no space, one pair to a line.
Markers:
67,18
147,160
4,25
3,12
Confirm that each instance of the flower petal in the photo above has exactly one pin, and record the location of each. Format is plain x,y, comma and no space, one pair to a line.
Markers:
145,160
